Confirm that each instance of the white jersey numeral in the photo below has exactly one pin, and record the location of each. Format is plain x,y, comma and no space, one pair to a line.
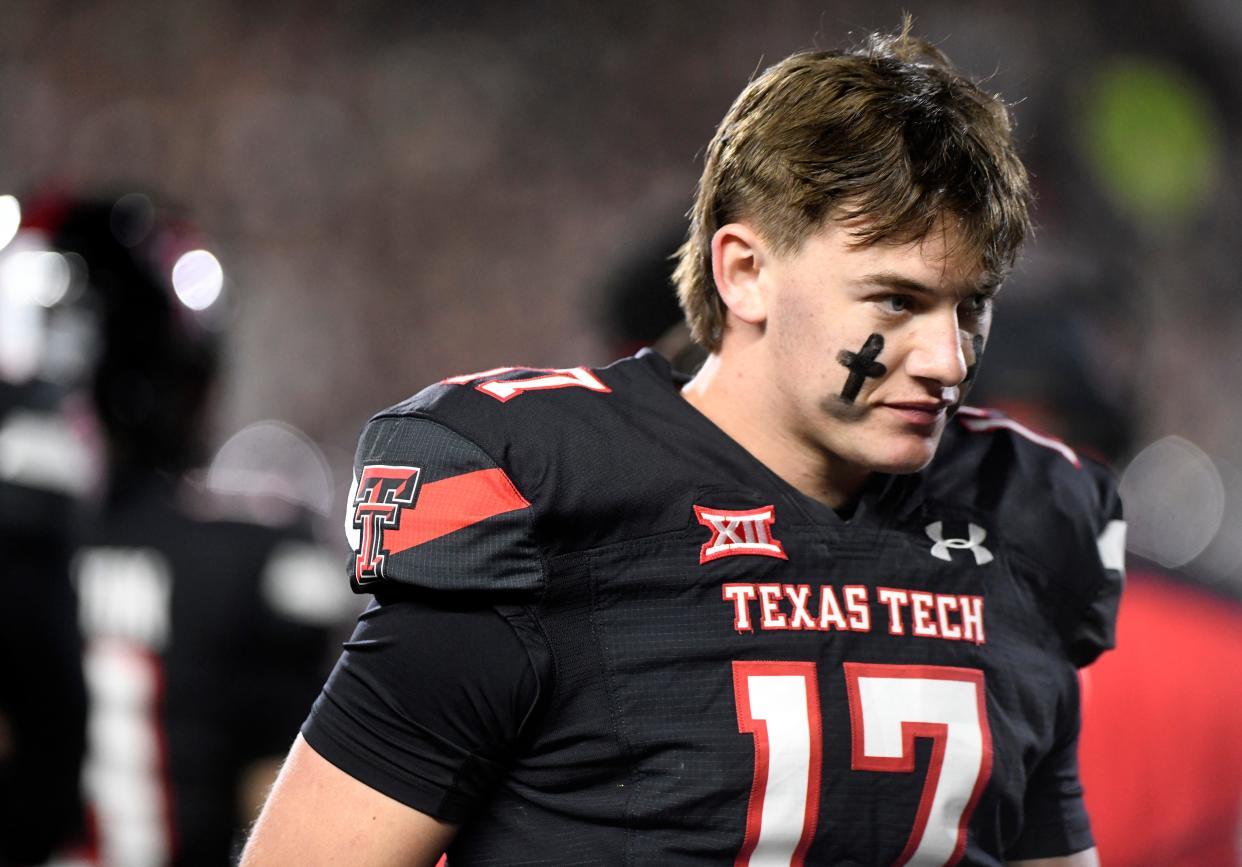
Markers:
124,607
890,706
778,702
507,389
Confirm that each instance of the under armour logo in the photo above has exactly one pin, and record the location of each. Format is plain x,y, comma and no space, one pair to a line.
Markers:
974,544
739,532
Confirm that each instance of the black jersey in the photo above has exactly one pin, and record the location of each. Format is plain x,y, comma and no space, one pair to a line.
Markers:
44,469
205,639
605,633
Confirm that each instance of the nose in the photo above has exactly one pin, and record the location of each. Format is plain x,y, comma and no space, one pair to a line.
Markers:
939,351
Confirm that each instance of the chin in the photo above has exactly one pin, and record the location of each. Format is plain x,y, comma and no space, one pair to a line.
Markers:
906,458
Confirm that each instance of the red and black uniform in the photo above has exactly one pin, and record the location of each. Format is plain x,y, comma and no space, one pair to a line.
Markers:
204,642
604,633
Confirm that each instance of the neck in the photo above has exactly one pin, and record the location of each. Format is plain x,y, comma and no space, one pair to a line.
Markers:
735,396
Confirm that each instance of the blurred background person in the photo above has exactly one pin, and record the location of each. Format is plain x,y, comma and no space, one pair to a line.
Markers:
206,633
635,302
45,470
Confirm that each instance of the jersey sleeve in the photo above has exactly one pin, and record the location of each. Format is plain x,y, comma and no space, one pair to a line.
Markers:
1055,819
1102,567
431,698
445,670
429,508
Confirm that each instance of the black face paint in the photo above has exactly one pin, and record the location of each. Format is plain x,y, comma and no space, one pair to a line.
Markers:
861,364
976,343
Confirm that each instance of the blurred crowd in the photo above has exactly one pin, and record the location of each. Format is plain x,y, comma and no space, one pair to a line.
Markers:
413,173
381,195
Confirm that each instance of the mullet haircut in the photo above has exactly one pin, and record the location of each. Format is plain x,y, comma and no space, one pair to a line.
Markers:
888,139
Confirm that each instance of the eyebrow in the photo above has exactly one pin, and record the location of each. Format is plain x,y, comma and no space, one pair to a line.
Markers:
892,280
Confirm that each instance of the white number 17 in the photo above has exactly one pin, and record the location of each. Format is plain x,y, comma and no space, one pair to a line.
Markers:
890,705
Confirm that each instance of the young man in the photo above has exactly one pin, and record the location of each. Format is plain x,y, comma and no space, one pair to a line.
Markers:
622,618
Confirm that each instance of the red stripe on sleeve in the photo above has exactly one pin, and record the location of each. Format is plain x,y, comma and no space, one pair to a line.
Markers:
453,504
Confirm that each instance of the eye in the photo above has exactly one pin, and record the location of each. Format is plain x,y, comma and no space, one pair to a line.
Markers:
978,304
896,303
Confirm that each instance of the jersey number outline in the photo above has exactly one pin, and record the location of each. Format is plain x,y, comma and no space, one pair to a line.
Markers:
890,705
505,390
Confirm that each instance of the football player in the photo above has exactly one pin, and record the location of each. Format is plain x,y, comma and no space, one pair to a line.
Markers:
198,666
803,608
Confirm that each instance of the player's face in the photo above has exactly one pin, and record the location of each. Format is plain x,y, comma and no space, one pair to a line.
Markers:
868,348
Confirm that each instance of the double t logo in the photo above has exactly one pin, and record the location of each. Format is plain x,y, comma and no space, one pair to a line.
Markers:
383,491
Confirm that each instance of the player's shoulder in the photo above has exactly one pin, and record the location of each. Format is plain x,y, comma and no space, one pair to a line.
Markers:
1057,512
534,423
486,469
532,401
987,454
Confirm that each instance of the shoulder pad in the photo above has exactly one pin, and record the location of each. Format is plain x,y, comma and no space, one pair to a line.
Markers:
428,507
600,454
1062,509
508,405
502,396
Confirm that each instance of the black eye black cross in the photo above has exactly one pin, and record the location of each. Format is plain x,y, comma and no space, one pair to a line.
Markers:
861,364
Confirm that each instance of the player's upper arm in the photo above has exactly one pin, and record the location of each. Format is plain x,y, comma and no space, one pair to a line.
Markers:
1103,567
319,815
432,700
1086,858
434,693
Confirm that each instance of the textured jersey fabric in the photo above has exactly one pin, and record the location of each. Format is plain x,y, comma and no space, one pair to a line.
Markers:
682,659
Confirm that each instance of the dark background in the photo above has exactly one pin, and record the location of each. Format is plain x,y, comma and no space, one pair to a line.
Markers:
400,192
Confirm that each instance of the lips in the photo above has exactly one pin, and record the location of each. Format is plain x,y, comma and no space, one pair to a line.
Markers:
921,413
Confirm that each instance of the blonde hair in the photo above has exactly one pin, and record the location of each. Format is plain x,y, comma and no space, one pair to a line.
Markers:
888,138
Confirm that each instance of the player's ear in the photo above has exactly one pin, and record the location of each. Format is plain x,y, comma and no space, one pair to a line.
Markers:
738,257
